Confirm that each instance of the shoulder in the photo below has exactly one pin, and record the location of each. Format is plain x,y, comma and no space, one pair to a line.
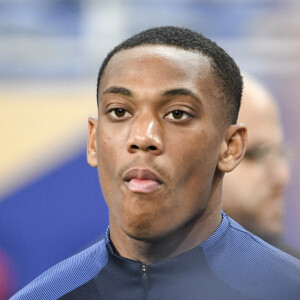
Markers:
251,265
255,247
67,275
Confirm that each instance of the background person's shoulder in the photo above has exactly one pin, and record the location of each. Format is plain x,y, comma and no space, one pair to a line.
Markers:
254,267
254,251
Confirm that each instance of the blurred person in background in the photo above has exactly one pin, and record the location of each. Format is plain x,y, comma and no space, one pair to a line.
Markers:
253,194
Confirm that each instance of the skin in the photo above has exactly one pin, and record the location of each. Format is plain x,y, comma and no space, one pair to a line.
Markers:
256,202
188,153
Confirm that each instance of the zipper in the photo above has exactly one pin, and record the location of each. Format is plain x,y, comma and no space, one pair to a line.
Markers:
145,278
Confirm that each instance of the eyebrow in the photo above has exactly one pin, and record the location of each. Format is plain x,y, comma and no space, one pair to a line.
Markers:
182,92
173,92
117,90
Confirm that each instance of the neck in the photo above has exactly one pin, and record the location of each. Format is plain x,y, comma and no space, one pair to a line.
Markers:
173,244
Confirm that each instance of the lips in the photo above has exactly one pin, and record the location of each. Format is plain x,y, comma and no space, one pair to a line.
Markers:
142,181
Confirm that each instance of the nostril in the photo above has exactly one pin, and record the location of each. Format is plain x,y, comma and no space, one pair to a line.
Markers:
143,147
152,148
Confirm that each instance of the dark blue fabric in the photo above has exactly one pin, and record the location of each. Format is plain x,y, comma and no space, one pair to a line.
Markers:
231,264
187,276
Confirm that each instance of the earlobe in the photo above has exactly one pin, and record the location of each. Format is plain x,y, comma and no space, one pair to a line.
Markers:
233,147
92,142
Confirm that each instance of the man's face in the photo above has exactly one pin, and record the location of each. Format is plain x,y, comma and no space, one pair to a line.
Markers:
158,139
253,193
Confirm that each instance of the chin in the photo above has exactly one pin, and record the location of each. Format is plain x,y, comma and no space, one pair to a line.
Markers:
144,236
275,232
145,232
270,233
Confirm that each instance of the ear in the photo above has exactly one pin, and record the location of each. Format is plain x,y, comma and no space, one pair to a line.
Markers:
92,142
233,147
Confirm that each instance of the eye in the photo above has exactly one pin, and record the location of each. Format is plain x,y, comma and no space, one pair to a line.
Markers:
256,153
177,115
119,113
264,153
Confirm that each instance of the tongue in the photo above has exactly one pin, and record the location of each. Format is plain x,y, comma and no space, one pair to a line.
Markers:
143,186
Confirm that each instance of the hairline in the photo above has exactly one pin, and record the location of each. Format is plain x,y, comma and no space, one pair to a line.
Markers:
196,51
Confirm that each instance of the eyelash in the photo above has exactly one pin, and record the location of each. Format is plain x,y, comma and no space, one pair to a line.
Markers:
113,110
187,115
122,110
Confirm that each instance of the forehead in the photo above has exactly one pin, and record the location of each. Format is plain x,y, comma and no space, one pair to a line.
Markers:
260,113
160,64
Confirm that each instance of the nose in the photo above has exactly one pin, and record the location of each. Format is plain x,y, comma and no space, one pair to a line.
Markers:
280,172
145,135
284,172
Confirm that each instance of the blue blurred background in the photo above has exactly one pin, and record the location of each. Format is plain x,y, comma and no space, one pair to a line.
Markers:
50,200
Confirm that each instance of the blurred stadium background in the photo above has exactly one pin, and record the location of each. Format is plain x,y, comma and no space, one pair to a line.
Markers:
50,202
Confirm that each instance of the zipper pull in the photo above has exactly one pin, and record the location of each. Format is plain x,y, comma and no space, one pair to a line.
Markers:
145,278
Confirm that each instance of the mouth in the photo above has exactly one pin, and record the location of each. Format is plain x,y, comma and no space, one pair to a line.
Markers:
142,181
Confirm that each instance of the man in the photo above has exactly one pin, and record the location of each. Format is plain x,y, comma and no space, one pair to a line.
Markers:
256,202
168,100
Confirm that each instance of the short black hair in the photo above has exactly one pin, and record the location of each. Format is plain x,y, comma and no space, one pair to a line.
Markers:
227,74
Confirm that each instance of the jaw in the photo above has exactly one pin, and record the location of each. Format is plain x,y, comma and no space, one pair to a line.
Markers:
139,235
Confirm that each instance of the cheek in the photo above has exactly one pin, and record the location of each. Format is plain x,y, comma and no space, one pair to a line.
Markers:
109,146
193,162
254,175
246,185
198,147
107,155
249,174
